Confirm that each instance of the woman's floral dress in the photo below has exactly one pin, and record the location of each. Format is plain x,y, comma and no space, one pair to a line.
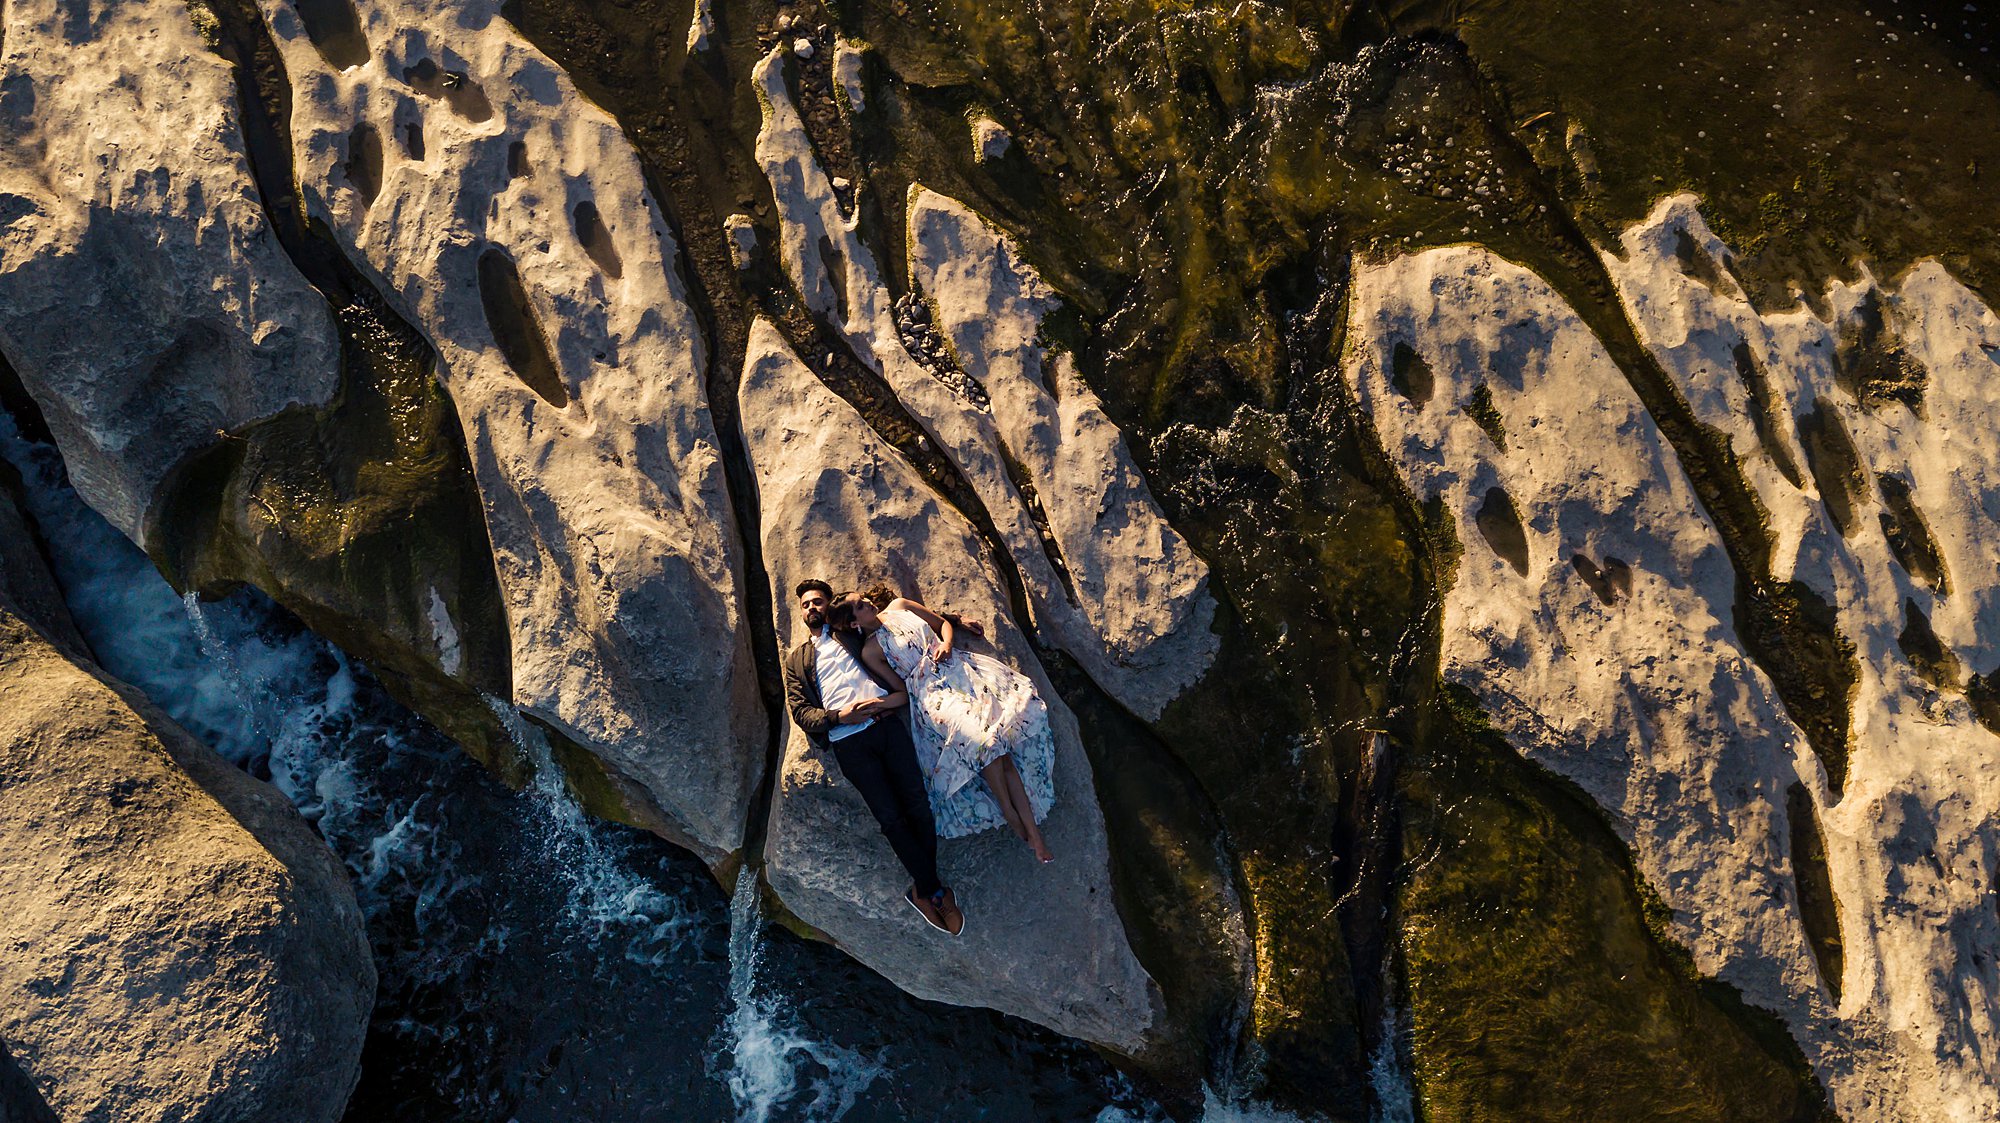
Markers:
965,714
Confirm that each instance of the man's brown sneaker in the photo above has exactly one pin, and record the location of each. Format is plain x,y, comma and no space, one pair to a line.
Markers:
949,912
928,909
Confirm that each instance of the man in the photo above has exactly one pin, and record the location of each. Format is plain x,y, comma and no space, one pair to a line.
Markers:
841,707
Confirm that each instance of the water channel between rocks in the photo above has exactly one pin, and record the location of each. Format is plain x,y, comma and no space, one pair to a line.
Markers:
537,964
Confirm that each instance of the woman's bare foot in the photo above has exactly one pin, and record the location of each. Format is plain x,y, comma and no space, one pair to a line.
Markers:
1041,848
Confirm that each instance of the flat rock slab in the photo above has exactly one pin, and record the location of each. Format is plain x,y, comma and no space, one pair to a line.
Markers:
175,942
1042,942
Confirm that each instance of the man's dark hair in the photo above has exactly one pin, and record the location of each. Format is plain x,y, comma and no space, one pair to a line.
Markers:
812,583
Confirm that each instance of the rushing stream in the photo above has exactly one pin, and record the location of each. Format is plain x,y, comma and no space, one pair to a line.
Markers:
537,964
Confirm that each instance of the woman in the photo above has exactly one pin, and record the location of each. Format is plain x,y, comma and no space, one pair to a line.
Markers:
970,715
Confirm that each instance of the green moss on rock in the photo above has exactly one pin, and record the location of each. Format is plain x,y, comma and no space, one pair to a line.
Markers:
1541,985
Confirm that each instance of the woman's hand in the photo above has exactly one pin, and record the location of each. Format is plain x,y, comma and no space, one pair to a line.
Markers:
854,713
941,650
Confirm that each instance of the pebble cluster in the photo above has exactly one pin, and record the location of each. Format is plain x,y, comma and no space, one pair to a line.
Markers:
921,338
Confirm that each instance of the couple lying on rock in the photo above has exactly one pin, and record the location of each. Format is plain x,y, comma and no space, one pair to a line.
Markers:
937,741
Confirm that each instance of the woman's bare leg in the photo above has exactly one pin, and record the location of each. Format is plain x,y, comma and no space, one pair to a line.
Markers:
1024,809
996,779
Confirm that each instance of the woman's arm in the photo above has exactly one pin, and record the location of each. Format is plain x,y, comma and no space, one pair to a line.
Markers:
871,654
939,624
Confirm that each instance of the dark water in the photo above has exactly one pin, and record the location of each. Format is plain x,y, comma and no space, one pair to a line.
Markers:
537,965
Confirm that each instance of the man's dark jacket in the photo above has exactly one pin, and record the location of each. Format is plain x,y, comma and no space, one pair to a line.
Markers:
802,696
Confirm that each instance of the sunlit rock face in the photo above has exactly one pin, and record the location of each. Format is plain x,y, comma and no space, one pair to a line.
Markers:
143,299
1131,600
1591,611
509,219
1041,942
1885,410
1114,585
178,943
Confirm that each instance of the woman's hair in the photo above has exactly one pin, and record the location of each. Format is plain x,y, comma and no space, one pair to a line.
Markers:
878,595
841,616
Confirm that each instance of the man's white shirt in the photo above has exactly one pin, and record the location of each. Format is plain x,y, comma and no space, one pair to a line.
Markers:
842,681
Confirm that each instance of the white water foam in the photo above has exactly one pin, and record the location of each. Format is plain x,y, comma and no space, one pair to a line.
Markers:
134,623
765,1051
1395,1099
1215,1108
606,896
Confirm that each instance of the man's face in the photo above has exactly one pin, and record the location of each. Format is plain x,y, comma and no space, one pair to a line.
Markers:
813,606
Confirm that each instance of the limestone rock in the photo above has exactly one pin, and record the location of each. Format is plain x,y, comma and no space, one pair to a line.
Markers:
1905,548
175,942
512,225
144,299
1125,570
1591,611
701,25
990,139
850,72
1041,942
1138,621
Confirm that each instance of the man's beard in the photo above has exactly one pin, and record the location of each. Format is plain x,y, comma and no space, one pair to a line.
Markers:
815,617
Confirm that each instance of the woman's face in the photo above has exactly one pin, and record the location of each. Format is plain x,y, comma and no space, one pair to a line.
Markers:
865,616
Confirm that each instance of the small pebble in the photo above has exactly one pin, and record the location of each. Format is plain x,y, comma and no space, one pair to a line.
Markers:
802,48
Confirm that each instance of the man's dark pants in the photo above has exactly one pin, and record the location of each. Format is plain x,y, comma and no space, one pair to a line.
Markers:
881,763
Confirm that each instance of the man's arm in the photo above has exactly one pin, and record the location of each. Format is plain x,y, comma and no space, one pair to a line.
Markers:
805,715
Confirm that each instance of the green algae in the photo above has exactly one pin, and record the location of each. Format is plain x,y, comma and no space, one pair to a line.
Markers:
1541,981
1479,406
